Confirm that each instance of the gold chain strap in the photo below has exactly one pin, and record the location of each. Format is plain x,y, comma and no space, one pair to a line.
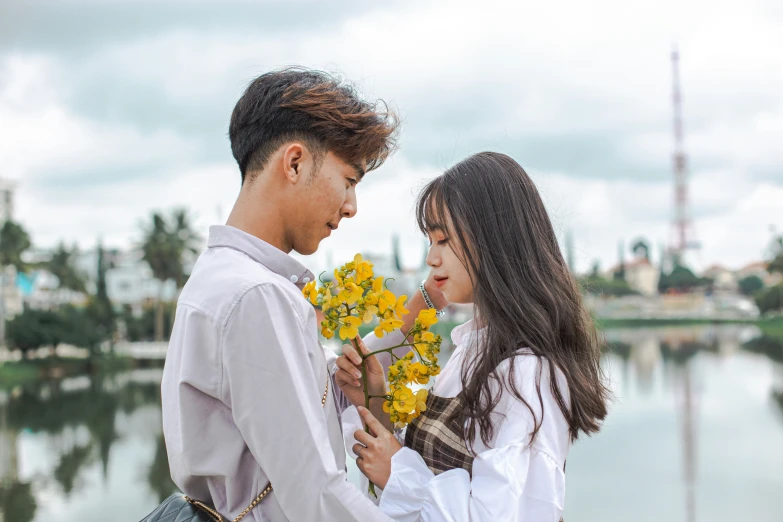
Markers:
268,489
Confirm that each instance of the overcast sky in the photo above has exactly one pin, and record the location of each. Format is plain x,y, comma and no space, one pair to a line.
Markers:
111,109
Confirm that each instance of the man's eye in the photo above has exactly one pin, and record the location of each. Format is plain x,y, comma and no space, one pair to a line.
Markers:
352,181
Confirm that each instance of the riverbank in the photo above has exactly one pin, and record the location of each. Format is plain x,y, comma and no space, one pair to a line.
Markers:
14,373
772,327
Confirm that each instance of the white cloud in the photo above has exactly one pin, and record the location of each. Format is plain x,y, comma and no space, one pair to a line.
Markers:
466,76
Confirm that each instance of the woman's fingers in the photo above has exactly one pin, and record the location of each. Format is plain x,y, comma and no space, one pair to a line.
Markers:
350,352
347,366
357,450
364,438
374,424
342,377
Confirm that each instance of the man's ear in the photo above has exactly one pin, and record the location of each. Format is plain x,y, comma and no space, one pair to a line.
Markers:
295,156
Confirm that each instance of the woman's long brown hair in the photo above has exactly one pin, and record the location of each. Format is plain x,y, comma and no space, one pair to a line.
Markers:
523,292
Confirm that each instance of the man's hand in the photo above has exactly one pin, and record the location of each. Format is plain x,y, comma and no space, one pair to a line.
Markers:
375,449
349,374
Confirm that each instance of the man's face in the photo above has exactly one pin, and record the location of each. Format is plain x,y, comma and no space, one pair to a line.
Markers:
324,200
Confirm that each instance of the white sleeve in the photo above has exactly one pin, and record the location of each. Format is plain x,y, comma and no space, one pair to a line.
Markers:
508,484
512,481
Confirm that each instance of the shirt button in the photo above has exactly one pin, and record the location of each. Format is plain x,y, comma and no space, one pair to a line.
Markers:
294,279
305,279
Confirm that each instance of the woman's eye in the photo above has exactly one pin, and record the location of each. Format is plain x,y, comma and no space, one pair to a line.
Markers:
352,181
443,241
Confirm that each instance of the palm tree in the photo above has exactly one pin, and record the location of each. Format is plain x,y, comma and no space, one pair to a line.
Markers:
164,248
61,265
14,240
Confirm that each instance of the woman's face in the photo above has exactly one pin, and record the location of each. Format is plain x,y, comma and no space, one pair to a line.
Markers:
449,273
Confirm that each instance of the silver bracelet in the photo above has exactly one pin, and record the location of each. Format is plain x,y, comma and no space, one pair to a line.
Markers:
427,300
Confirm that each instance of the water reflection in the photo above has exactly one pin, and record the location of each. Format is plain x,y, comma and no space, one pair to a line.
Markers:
72,426
673,447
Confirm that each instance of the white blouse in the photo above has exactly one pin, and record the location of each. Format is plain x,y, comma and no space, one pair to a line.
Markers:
511,480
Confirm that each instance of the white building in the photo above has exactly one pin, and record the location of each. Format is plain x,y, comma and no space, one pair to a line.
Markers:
641,275
722,278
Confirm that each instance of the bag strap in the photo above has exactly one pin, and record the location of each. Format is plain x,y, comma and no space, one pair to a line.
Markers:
268,489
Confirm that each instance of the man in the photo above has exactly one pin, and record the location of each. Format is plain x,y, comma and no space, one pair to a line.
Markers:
245,373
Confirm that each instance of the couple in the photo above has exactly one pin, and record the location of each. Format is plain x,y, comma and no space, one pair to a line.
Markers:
251,397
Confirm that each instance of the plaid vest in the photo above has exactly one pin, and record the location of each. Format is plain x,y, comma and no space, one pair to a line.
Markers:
437,439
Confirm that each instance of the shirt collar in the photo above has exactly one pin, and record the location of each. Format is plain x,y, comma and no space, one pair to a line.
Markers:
260,251
466,332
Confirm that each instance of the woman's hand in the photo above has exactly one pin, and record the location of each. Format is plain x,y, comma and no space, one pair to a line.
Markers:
375,449
349,374
436,296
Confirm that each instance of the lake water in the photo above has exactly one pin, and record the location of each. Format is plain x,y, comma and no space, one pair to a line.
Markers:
695,433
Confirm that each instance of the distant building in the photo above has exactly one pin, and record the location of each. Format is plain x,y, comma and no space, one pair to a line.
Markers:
722,278
640,274
130,282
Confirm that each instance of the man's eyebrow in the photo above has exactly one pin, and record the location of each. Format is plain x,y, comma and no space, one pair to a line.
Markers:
359,170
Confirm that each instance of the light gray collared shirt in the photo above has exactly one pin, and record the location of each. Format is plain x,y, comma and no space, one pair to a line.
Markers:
242,388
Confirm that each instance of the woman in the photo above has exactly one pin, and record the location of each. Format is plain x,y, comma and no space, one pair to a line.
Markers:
524,379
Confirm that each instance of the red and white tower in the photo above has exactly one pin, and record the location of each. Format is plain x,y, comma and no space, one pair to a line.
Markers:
682,233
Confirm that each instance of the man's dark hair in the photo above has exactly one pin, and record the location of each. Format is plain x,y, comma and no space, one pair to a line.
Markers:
315,107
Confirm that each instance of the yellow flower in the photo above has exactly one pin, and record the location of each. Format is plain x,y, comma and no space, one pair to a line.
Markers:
387,406
367,317
386,300
389,325
404,400
421,400
363,269
420,372
428,337
350,327
377,285
327,302
338,277
351,293
427,317
327,332
399,308
310,292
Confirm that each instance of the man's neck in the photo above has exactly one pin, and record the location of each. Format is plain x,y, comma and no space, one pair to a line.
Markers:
261,221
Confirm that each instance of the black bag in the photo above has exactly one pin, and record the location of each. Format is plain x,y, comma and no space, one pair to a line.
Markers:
179,508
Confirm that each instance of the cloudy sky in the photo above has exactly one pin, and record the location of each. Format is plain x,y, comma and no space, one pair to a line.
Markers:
111,109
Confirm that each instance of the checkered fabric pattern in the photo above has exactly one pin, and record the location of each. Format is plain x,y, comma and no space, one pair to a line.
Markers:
436,439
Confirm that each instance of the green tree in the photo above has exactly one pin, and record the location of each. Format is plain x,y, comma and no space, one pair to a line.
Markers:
165,247
62,266
776,263
17,502
771,299
607,287
14,241
100,311
750,285
682,279
33,329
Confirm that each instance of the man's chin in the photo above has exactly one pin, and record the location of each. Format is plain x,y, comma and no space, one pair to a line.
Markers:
307,248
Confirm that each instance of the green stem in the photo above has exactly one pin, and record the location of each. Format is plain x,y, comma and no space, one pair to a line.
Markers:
364,356
371,487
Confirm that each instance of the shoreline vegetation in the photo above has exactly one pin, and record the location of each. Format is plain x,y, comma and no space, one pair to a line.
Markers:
14,373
